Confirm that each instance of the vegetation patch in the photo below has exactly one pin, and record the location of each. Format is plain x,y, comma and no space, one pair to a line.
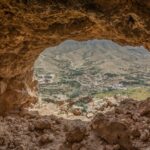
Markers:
139,93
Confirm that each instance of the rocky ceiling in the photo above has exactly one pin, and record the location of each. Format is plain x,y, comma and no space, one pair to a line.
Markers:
27,27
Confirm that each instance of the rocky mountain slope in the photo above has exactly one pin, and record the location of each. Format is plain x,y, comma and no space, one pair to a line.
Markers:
101,53
76,69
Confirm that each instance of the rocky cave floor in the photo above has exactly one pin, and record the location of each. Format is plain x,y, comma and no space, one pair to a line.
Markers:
126,127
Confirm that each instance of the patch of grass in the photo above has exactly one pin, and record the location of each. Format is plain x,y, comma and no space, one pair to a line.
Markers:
138,93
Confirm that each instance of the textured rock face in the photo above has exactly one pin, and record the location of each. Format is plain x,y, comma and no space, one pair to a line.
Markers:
126,129
112,131
27,27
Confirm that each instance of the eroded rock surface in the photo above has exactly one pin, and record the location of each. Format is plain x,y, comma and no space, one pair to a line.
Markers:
114,130
27,27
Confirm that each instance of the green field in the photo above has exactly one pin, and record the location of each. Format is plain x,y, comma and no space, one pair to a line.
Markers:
138,93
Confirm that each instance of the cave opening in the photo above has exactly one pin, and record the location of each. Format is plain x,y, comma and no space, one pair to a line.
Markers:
81,78
30,26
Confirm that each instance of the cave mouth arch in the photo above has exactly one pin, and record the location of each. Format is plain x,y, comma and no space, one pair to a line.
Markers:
35,25
83,72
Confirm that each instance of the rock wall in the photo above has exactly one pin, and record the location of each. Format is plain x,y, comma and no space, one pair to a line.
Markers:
27,27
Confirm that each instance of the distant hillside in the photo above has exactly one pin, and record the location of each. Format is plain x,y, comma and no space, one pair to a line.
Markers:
106,55
88,68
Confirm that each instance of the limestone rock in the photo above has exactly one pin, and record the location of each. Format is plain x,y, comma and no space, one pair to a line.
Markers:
111,130
76,133
145,135
46,138
77,111
144,108
42,124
